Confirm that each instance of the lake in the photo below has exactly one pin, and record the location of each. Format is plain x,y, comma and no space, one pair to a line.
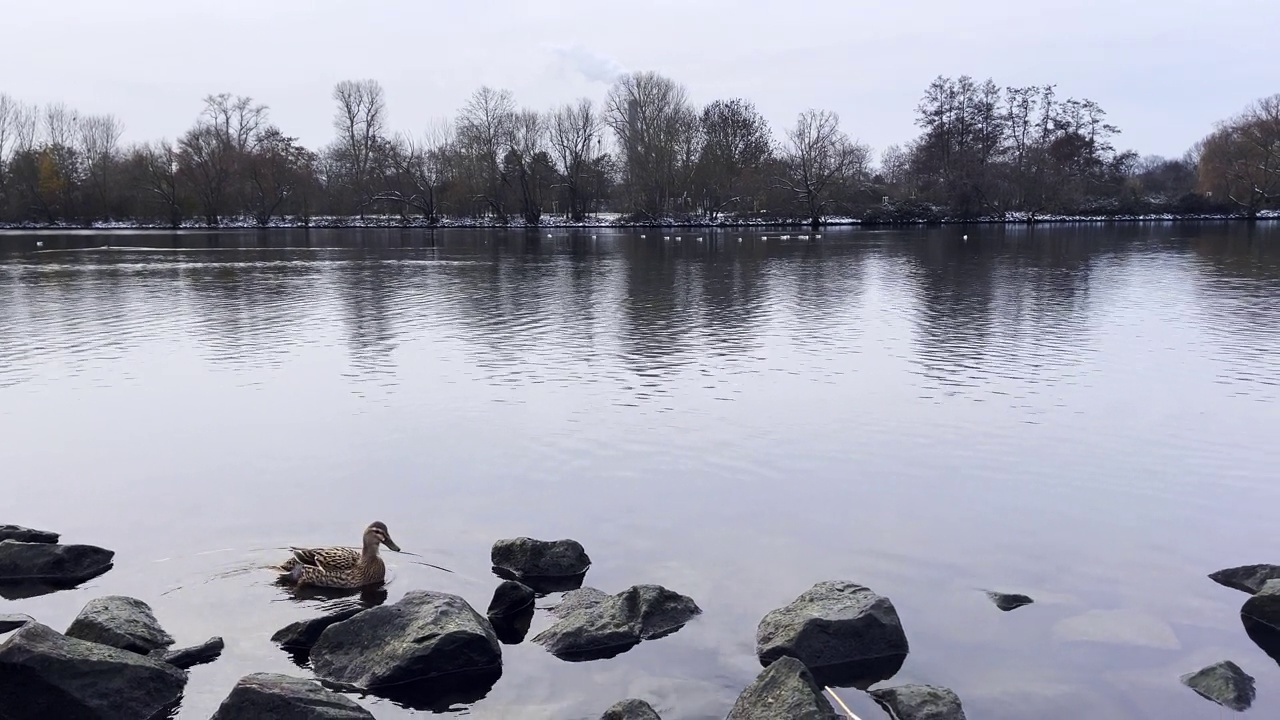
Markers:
1083,413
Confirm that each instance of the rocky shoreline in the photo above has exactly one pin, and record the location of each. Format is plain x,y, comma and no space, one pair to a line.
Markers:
430,650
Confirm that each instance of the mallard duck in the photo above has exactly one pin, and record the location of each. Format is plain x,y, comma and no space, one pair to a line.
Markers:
341,567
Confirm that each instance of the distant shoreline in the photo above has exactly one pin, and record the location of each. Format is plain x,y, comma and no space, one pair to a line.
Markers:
395,222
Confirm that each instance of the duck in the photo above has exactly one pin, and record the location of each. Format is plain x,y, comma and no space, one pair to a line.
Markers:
341,567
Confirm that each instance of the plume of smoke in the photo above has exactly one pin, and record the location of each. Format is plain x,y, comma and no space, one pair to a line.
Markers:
591,65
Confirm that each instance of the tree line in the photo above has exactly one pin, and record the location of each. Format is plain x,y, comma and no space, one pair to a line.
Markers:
646,152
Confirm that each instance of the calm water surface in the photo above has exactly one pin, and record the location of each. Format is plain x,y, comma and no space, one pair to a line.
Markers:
1086,414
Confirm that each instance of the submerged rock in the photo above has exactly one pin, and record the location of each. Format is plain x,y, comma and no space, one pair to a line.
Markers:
268,696
784,689
48,562
631,709
303,634
1246,578
27,535
919,702
1008,601
13,622
1224,683
187,658
121,622
423,636
843,632
510,598
1264,605
1117,627
609,627
44,674
529,558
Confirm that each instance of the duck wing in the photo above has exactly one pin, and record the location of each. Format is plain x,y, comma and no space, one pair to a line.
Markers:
330,559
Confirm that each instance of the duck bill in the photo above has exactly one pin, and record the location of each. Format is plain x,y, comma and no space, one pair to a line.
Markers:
389,543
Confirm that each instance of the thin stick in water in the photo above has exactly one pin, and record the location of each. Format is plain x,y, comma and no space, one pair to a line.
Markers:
841,704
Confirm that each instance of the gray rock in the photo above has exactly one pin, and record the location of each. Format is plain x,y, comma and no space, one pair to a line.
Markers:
1247,578
303,634
423,636
27,535
843,632
510,598
13,622
919,702
186,658
526,557
121,622
44,674
1008,601
44,561
267,696
631,709
1224,683
616,624
1264,606
785,689
580,599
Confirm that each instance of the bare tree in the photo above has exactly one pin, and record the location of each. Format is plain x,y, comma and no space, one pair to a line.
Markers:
215,153
820,158
360,122
158,165
736,142
574,134
278,167
99,137
486,130
529,163
650,115
1242,157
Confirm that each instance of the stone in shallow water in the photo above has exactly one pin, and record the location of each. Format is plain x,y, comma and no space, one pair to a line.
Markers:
303,634
843,632
268,696
21,561
609,627
121,622
510,598
919,702
785,689
27,535
1246,578
1009,601
1117,627
186,658
424,635
1264,606
631,709
1224,683
527,557
44,674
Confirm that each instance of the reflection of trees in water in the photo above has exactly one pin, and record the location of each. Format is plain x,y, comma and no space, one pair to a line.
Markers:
733,301
1009,304
251,311
656,319
826,283
1237,291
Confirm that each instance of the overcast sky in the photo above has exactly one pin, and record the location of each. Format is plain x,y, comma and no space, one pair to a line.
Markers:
1164,70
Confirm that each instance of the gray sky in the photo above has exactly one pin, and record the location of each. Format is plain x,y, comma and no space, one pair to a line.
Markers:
1164,70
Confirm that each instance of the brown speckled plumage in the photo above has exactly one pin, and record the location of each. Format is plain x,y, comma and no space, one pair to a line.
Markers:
341,567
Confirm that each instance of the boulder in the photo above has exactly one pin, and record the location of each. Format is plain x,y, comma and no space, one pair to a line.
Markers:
509,599
784,689
845,633
267,696
617,623
1246,578
631,709
526,557
423,636
121,622
919,702
1264,605
44,674
27,535
187,658
13,622
1009,601
580,599
303,634
1224,683
48,562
